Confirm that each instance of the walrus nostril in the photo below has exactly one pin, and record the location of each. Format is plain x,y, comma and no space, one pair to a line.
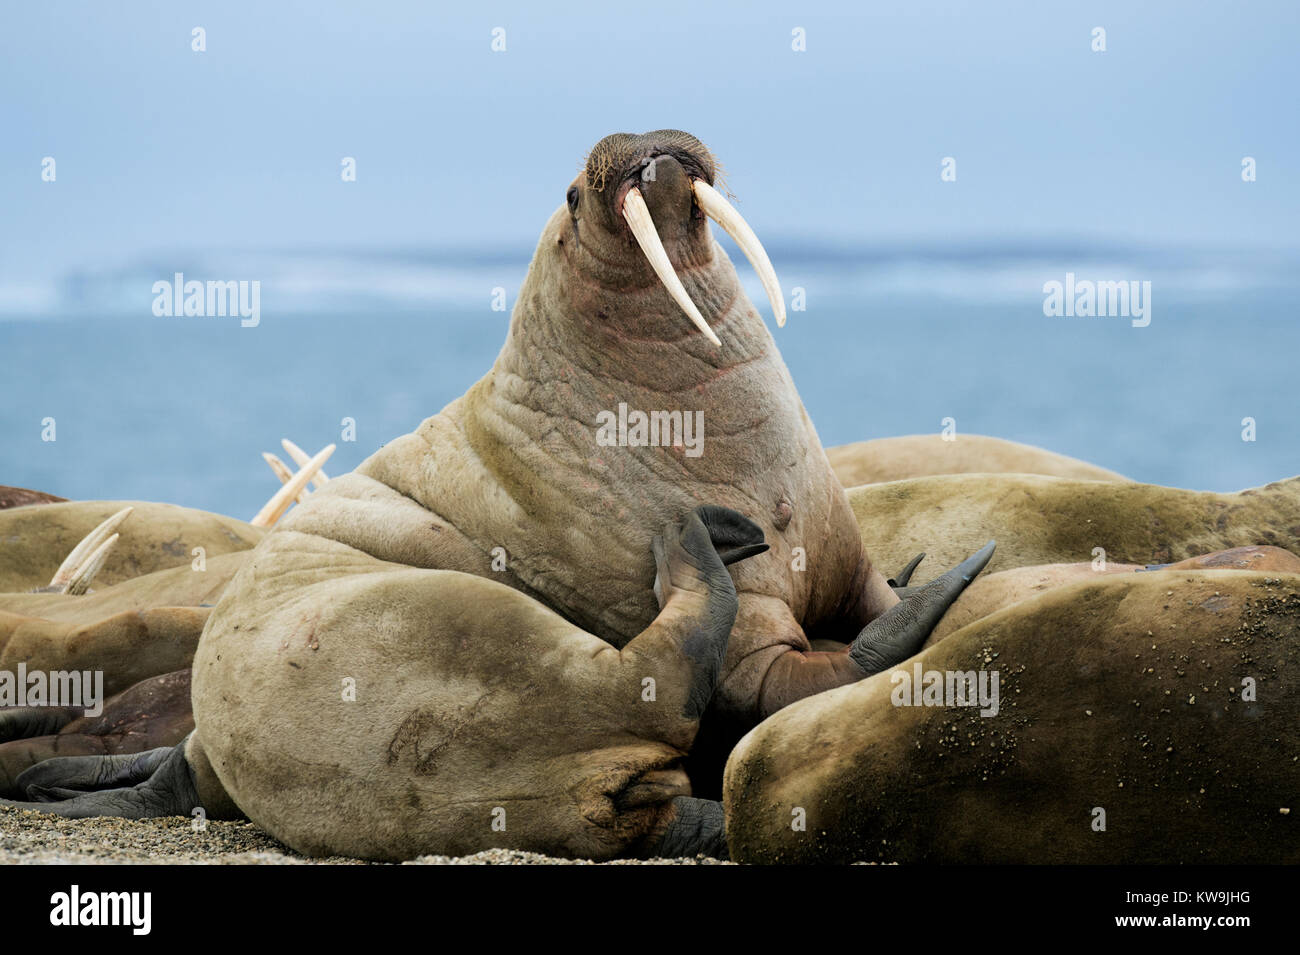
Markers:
667,191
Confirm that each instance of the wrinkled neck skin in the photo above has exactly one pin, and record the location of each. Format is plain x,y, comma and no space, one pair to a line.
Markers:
589,333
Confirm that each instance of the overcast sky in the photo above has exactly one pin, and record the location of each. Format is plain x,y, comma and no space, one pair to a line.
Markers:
158,147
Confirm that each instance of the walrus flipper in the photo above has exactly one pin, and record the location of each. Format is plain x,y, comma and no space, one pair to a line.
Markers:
697,827
26,722
700,547
899,632
148,785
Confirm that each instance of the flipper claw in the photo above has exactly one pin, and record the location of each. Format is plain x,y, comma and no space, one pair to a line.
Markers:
899,632
904,575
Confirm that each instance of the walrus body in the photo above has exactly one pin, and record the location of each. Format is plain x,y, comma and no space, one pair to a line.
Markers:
477,718
515,483
993,592
156,537
924,455
1143,718
1049,520
148,608
25,497
438,712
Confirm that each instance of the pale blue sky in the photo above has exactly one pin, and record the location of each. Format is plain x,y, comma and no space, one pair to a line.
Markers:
161,149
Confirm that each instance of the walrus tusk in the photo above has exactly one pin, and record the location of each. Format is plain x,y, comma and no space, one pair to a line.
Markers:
713,205
281,470
80,581
301,457
277,505
89,544
638,219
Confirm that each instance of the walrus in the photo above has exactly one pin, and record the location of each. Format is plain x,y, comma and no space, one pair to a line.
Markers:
480,718
1049,520
992,592
1142,718
39,539
924,455
157,571
532,470
25,497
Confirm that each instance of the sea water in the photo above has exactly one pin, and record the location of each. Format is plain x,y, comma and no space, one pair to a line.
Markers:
179,409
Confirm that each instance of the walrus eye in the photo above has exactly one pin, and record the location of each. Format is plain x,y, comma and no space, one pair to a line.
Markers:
573,199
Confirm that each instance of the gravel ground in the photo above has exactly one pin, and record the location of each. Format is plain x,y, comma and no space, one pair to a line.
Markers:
33,838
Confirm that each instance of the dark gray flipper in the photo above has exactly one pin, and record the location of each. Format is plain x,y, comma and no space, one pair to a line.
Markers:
27,722
150,784
698,826
733,535
900,582
708,538
899,632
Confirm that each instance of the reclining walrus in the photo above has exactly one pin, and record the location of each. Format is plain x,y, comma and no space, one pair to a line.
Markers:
1139,718
361,707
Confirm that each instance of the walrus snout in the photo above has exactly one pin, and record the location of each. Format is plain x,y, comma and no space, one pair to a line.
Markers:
669,195
662,182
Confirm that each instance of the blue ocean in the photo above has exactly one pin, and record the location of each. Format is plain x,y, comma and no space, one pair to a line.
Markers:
890,341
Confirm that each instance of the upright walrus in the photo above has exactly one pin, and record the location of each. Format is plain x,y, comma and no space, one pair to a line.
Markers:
606,415
532,467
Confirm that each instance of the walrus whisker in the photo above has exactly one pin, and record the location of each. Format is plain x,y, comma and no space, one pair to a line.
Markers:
281,470
713,205
300,458
80,581
88,545
637,214
277,505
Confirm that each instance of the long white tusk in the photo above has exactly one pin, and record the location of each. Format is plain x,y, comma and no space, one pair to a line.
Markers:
713,205
638,219
277,505
281,470
300,457
80,581
68,569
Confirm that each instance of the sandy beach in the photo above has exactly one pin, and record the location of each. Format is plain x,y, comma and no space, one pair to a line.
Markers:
32,838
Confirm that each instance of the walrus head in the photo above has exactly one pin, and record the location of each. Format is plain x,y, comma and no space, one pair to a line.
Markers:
644,200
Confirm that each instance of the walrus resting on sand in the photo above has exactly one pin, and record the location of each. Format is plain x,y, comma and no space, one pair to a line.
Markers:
1139,718
479,719
923,455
